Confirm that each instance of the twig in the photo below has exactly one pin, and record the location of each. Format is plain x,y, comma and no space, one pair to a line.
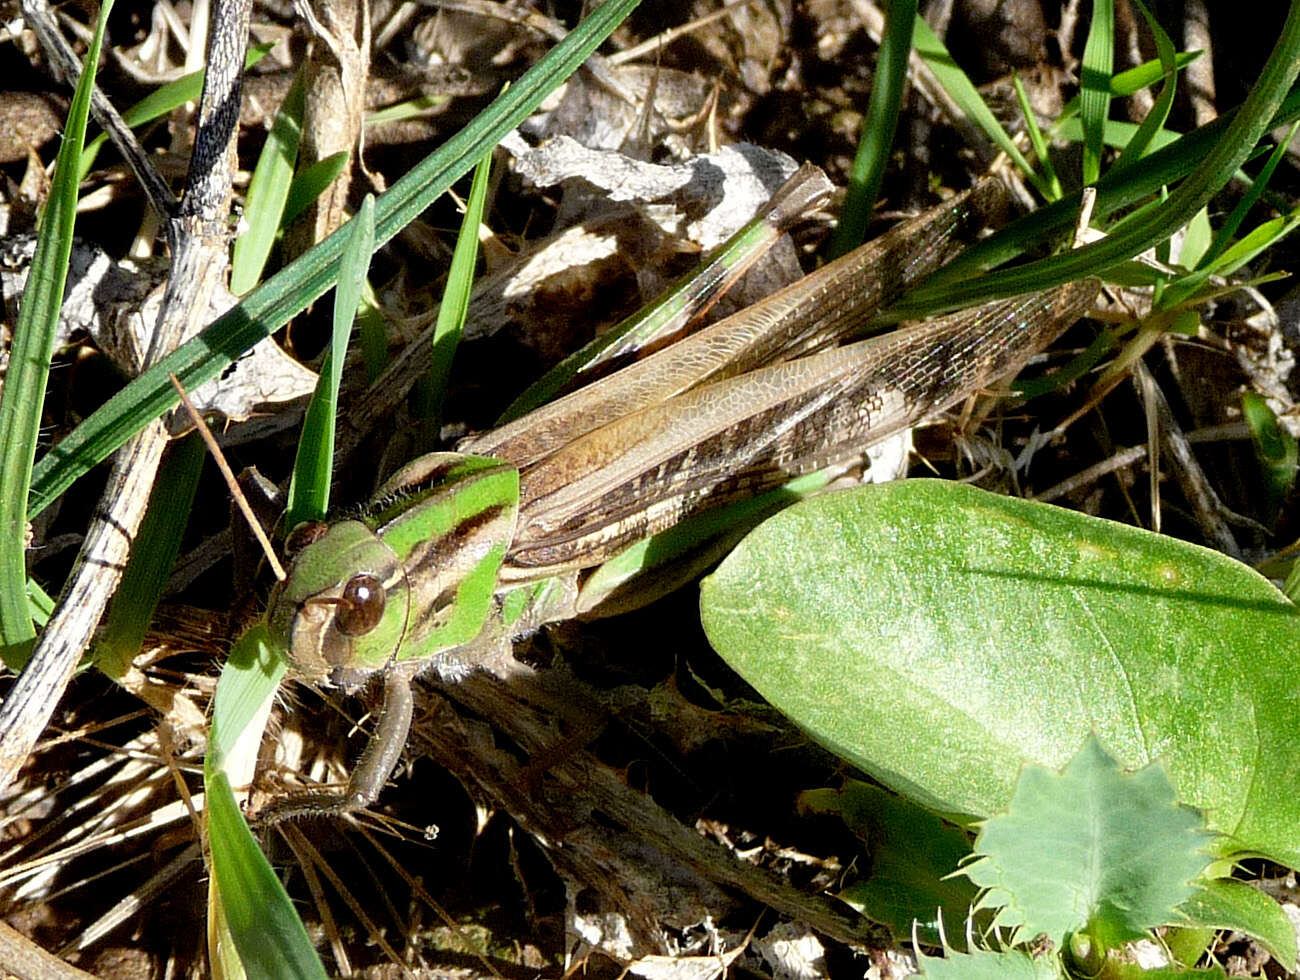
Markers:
240,500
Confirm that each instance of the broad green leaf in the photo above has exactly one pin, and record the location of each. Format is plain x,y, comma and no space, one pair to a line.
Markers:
1091,849
913,857
1226,903
941,638
1134,971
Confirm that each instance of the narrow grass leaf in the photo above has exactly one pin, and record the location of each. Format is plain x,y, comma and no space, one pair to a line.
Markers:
1127,82
1051,183
878,127
1275,449
963,92
40,603
271,940
23,397
432,387
268,190
310,184
163,100
309,487
1196,240
1115,192
1155,120
670,314
1223,238
152,557
1222,158
372,334
1094,82
270,305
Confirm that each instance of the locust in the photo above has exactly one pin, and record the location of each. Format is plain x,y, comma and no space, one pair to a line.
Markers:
460,552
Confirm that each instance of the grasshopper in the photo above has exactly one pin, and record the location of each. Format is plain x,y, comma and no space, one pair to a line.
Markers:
459,552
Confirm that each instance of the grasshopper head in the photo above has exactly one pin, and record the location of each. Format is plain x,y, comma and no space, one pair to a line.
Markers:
414,580
342,612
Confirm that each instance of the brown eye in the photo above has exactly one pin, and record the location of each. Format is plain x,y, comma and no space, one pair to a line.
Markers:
303,535
361,606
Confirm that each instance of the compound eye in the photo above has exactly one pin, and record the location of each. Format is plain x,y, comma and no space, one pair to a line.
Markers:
361,606
303,535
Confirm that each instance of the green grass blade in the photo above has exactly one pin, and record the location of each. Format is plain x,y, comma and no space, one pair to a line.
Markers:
1115,191
963,92
163,100
29,363
267,191
668,315
1222,157
156,547
1223,238
267,932
1094,79
432,386
309,488
878,127
1127,82
311,184
1224,256
40,602
372,335
1155,120
290,290
1051,185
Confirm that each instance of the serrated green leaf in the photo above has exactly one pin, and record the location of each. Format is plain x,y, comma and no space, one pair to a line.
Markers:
1225,903
913,855
1012,964
941,638
1092,850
